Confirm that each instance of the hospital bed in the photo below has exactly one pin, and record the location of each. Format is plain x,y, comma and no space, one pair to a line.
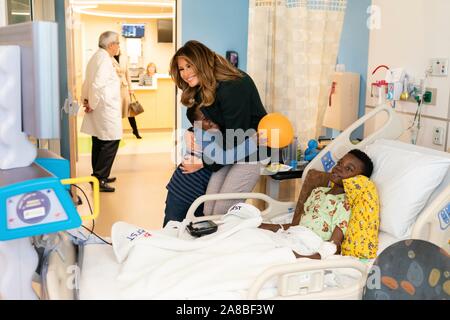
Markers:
63,270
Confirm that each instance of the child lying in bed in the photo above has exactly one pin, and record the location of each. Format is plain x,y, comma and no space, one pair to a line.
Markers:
346,213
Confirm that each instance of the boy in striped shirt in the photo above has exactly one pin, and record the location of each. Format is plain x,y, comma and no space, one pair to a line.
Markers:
187,184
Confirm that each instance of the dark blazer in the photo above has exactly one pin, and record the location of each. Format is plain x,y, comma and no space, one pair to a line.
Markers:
237,106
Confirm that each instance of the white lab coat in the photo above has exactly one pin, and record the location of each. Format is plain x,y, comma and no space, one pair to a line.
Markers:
101,88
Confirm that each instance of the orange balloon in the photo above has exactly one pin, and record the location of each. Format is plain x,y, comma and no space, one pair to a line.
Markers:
277,129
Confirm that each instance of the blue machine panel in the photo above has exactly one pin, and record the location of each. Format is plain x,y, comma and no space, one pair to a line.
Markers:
36,207
54,164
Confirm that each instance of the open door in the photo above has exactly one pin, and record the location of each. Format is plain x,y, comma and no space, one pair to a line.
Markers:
73,36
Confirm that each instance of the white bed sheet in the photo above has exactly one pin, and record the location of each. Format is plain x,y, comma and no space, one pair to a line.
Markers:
100,270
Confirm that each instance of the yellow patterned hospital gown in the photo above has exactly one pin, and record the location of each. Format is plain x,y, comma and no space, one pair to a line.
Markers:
361,239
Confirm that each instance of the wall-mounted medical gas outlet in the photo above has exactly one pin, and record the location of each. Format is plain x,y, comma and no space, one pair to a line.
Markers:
439,67
429,96
438,136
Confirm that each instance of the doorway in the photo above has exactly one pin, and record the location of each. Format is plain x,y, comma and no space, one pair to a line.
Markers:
142,167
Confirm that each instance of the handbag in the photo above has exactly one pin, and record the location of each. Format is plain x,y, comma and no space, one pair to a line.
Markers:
135,106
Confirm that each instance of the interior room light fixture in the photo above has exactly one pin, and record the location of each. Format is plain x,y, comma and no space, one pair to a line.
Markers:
86,7
124,15
129,3
17,13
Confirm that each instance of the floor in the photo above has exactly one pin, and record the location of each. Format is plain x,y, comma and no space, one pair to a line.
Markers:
142,167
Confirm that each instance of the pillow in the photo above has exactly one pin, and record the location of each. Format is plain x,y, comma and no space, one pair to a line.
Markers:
405,176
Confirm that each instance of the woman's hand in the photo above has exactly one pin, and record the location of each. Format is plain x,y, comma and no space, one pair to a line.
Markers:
191,164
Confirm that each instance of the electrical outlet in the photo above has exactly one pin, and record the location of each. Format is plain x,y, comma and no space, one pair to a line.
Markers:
439,67
438,136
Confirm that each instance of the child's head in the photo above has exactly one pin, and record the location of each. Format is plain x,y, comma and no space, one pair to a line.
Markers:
195,114
352,164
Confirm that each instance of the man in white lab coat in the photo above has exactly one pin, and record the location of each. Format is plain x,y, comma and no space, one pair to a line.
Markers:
102,103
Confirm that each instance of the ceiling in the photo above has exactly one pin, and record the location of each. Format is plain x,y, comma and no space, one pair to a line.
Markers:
143,9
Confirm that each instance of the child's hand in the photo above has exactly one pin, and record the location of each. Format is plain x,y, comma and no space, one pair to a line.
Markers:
191,164
270,227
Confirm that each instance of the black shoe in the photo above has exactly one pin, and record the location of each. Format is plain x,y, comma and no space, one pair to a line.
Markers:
137,135
104,187
111,180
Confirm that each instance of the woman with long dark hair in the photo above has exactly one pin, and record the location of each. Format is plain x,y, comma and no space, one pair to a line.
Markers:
228,97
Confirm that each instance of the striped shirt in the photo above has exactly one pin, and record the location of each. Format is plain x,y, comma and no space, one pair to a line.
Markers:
188,187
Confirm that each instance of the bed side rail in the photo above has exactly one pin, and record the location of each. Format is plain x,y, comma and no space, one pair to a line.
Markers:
60,271
274,207
391,129
306,268
433,223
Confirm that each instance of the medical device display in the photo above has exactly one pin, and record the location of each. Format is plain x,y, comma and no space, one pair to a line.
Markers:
35,200
34,206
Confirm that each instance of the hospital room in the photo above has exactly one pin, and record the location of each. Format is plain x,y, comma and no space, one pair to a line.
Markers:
241,151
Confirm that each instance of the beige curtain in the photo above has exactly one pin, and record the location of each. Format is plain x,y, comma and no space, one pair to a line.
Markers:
292,51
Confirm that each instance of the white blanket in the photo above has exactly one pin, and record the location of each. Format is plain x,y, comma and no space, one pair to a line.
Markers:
158,265
164,265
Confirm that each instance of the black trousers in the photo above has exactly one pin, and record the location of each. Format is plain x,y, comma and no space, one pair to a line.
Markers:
103,155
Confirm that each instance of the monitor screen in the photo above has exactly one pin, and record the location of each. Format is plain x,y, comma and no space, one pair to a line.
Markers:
133,30
165,30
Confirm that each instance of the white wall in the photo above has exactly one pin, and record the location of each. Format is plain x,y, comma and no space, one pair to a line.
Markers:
159,53
411,33
2,13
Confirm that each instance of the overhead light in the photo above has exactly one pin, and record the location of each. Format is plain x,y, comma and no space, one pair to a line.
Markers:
124,15
17,13
130,3
87,7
